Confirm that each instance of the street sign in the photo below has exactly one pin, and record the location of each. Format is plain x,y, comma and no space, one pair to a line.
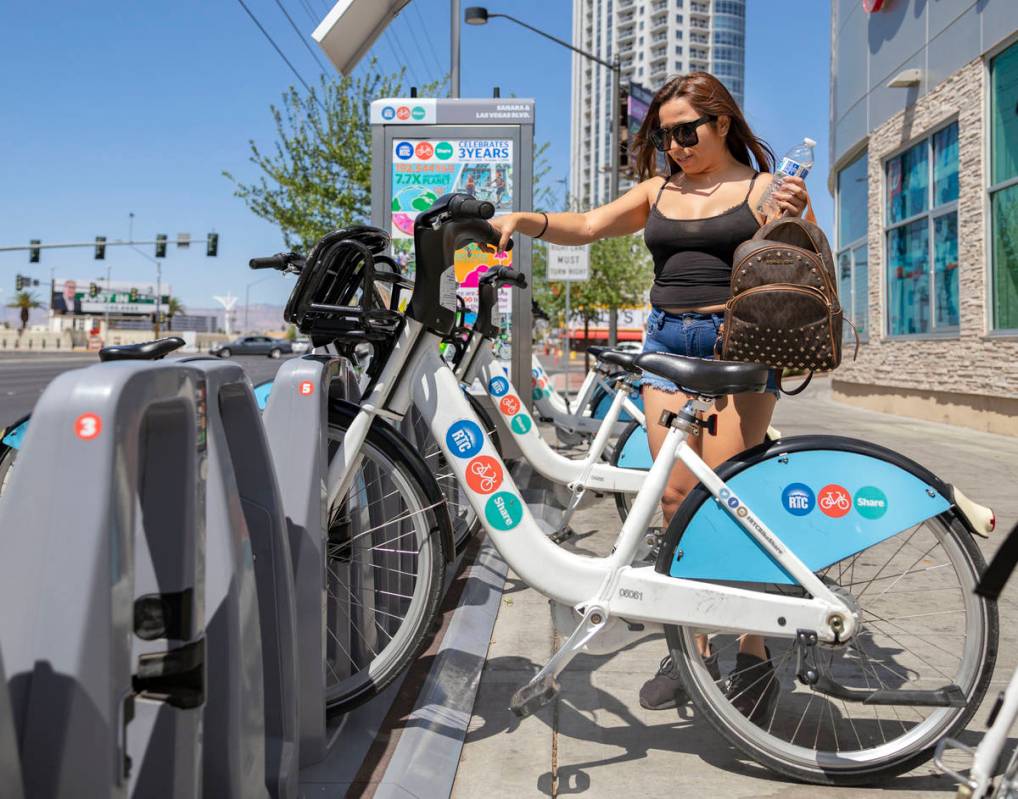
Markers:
351,27
568,263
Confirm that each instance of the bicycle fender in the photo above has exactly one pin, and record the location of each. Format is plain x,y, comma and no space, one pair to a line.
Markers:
261,393
12,436
825,497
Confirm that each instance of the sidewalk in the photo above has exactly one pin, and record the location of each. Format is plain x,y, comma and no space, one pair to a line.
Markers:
596,740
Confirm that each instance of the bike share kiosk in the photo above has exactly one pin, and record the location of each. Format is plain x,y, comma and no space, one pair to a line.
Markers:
423,148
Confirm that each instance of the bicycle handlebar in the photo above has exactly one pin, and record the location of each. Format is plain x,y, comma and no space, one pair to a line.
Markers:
281,261
462,206
504,276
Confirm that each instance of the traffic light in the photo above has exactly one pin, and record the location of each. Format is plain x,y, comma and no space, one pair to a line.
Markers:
34,252
212,245
623,131
160,245
93,289
100,248
20,282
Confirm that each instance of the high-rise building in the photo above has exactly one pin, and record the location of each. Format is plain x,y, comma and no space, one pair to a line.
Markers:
655,40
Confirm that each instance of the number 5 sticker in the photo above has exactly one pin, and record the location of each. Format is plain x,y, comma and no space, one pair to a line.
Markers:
88,426
307,388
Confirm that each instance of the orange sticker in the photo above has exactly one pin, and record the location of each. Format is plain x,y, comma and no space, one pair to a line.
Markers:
88,426
834,500
306,388
484,474
510,405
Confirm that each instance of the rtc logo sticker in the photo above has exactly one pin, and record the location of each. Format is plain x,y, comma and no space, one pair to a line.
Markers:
834,500
498,386
88,426
520,424
443,150
388,112
403,113
484,474
871,502
404,151
535,373
504,511
424,150
509,406
464,439
798,499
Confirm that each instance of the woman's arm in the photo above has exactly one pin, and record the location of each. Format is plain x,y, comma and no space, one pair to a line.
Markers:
625,215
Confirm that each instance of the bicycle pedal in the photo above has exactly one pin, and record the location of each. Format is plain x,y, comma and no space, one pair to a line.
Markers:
533,696
562,535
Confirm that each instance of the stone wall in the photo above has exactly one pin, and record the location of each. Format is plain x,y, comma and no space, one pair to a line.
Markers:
971,363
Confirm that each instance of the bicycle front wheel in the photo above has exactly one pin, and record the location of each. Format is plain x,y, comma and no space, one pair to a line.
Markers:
385,566
922,628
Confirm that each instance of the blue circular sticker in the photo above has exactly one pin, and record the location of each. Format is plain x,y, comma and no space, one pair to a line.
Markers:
404,151
536,373
464,439
498,386
388,112
798,499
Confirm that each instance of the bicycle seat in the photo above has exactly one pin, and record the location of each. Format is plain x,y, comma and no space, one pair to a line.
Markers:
597,352
146,351
624,360
706,378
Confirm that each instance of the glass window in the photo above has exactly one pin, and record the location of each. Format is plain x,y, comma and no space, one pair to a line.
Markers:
945,165
908,183
922,254
860,291
945,269
908,279
853,196
1004,213
1003,119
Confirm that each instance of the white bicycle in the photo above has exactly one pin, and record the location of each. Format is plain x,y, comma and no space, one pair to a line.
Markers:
866,678
978,784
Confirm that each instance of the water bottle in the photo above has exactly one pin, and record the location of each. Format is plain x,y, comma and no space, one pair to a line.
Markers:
798,162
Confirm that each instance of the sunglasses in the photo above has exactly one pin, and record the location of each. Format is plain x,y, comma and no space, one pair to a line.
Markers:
684,134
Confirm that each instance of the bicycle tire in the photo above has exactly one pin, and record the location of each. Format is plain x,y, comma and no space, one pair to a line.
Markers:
404,574
847,767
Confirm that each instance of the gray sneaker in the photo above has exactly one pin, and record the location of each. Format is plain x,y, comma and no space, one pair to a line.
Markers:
665,690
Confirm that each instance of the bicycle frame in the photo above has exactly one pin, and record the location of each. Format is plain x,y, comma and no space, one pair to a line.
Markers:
552,405
602,587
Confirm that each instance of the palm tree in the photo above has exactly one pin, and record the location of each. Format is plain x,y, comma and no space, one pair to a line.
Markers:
26,301
173,307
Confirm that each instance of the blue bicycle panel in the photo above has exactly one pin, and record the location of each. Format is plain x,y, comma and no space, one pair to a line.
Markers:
605,401
825,505
261,392
15,435
635,452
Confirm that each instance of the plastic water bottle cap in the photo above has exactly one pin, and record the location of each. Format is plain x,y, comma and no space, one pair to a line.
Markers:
809,142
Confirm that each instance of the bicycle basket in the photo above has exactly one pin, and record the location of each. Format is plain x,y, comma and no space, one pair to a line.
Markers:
348,291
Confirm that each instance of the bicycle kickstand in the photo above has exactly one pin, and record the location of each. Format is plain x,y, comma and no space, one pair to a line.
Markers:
544,687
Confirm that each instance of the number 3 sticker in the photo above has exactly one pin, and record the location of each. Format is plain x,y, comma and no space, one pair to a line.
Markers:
88,426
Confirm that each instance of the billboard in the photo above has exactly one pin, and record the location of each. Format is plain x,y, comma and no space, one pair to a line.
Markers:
425,169
101,297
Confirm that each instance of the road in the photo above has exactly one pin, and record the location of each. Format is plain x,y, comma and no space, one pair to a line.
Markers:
23,378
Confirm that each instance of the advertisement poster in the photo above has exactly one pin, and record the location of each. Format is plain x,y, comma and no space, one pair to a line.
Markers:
98,297
424,170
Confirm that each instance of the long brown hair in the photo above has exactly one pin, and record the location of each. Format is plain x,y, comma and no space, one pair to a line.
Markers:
707,95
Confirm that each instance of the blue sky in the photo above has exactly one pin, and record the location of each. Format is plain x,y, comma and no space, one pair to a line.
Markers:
117,107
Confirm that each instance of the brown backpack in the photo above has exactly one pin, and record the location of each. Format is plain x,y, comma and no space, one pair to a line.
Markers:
784,310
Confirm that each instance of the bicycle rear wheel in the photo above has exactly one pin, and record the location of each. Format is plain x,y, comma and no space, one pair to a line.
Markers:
385,567
923,627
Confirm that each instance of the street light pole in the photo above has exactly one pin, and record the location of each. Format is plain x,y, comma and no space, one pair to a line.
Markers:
247,298
454,54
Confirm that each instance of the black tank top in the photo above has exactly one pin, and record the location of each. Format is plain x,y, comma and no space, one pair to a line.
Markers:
693,257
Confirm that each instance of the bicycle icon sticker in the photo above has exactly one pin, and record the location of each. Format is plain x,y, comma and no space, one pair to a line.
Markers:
834,500
484,474
509,406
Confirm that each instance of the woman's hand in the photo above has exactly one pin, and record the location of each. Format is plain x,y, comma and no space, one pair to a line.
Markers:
505,225
790,196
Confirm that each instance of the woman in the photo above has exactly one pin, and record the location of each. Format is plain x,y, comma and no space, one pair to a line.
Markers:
692,221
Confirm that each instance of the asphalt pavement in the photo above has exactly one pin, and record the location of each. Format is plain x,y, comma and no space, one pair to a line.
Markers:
23,378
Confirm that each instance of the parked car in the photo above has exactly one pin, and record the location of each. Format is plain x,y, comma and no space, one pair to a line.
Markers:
631,347
252,345
301,344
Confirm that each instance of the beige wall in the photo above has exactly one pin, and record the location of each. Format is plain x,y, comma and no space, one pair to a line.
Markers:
972,364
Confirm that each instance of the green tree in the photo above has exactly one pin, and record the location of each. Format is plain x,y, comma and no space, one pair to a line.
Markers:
173,307
317,178
291,333
25,301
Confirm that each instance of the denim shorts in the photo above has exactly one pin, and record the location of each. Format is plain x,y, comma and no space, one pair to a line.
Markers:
692,334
